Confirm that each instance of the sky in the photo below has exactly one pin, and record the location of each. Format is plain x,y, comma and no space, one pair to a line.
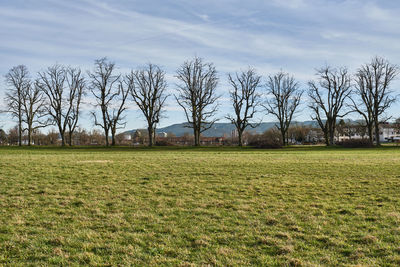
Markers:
296,36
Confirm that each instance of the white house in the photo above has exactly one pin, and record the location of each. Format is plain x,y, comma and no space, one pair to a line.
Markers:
387,133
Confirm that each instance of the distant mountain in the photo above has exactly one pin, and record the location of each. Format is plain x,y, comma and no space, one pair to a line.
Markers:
220,129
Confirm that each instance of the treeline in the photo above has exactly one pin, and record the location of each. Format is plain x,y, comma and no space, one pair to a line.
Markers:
79,137
55,96
271,138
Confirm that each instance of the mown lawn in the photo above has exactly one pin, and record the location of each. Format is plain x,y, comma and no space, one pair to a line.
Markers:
298,206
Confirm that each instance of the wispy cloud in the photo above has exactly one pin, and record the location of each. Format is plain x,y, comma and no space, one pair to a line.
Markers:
295,35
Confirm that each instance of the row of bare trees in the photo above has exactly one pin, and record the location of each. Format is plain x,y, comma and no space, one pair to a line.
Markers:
334,94
198,97
51,99
55,97
25,101
51,137
147,87
337,93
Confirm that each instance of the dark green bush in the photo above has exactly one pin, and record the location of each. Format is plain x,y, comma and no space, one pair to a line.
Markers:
163,143
354,143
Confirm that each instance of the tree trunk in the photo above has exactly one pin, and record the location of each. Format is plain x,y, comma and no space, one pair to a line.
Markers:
113,137
196,137
106,135
287,138
378,142
370,135
29,136
62,134
70,138
106,126
283,137
331,138
240,133
326,137
154,136
332,131
151,136
20,132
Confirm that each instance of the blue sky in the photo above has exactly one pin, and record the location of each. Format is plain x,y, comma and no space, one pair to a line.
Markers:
296,36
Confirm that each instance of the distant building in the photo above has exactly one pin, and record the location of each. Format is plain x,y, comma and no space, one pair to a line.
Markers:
388,132
127,137
162,134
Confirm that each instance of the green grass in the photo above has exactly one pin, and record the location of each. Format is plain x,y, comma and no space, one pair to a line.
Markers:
206,206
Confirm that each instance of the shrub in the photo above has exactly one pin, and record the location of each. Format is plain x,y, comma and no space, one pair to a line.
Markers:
269,139
163,143
354,143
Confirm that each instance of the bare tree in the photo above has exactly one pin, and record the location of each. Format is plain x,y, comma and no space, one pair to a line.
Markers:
77,85
115,118
63,88
328,96
147,87
285,96
374,97
197,95
362,103
110,97
34,110
18,80
245,99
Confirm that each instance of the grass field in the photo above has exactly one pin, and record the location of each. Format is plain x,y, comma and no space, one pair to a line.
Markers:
295,206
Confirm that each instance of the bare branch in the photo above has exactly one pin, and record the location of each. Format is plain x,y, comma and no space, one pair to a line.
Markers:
284,98
17,80
328,96
110,97
374,97
245,99
63,87
197,94
148,89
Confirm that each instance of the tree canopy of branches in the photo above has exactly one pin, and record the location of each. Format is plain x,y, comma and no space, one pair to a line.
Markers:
110,96
147,87
197,95
327,98
77,86
285,96
245,99
18,81
63,87
34,110
373,95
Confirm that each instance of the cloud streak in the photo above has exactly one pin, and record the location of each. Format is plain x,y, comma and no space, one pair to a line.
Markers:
295,35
